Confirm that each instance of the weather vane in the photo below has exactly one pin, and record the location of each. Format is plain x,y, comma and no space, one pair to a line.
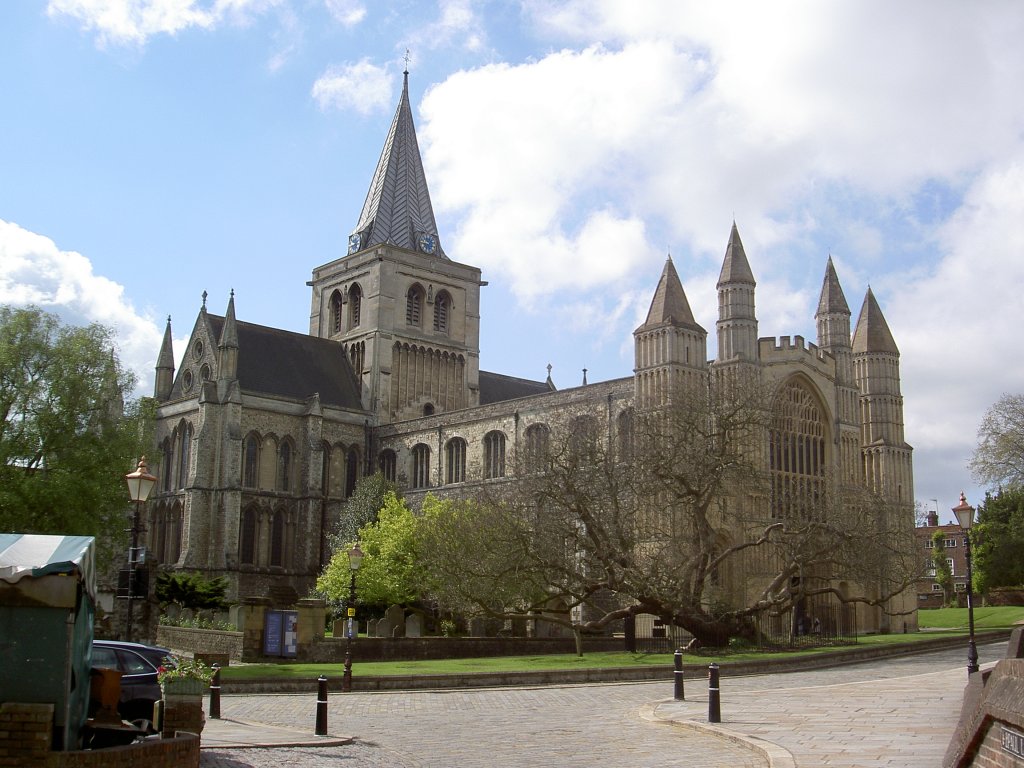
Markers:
407,58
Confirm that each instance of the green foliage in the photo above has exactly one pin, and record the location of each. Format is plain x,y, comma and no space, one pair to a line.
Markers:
68,435
360,509
997,541
191,590
391,571
198,622
182,668
999,457
943,573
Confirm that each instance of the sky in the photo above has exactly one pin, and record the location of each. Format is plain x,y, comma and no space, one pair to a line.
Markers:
151,150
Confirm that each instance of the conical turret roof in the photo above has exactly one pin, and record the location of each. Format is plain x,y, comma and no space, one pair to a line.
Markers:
873,334
397,210
735,267
669,304
832,300
166,357
229,334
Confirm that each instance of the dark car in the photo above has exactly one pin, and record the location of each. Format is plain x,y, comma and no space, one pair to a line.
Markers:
138,665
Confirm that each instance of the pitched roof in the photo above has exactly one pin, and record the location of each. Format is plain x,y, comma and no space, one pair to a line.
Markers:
669,305
872,334
292,365
735,267
832,300
496,387
397,209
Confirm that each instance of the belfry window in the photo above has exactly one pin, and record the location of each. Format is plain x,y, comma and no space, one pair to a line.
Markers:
336,312
442,308
414,306
355,305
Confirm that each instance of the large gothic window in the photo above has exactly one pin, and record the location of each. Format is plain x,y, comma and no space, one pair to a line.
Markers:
414,306
494,455
537,439
442,309
421,466
355,305
797,442
455,460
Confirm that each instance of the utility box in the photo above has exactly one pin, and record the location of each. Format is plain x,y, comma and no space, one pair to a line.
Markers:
47,606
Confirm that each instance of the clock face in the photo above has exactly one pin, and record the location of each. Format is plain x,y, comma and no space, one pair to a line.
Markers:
353,243
428,243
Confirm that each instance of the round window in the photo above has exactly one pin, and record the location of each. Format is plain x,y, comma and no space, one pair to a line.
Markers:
197,349
186,381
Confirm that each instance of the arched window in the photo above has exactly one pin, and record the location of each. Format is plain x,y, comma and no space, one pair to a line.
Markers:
428,409
421,466
250,462
325,469
797,441
167,464
277,528
285,466
247,537
455,460
583,438
494,454
624,434
414,305
336,312
337,472
177,532
184,453
351,470
537,439
355,305
388,464
442,308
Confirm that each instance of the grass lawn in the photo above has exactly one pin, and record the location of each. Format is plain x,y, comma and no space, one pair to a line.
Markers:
596,660
991,617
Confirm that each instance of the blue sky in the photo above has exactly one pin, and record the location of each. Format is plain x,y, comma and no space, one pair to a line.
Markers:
151,150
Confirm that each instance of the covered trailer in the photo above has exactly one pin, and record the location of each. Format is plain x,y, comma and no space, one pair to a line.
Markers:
47,606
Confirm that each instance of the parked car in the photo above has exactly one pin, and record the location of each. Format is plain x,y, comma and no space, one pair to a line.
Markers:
138,665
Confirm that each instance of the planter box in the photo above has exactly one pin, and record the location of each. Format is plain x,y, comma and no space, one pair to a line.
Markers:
184,688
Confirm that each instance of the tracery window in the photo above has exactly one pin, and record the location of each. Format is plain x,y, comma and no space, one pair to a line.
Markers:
797,442
421,466
414,306
494,454
455,460
442,307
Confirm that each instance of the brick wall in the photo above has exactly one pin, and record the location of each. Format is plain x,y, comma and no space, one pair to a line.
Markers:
25,733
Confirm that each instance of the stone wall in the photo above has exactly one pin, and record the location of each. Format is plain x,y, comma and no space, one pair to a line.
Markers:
201,641
332,650
25,739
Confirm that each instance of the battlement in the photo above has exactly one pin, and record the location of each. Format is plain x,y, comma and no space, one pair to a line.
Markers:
786,349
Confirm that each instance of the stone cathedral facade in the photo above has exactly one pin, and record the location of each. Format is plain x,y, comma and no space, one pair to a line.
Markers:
263,433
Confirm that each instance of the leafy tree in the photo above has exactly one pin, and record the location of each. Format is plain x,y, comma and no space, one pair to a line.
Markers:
192,590
391,571
997,541
359,509
674,522
943,573
999,458
68,433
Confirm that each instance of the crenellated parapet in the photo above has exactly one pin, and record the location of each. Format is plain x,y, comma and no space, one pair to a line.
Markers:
796,349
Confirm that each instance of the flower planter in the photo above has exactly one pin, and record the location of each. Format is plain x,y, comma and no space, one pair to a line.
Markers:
184,687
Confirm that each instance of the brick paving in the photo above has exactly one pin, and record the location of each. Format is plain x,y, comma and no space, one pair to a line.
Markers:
886,713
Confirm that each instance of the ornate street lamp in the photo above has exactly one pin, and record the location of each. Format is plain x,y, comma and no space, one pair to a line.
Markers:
140,483
355,559
965,516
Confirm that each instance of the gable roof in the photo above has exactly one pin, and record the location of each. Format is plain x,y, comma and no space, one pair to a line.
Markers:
397,209
496,387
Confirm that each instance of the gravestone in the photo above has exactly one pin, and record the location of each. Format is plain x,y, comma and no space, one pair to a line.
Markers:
414,625
477,626
395,618
371,628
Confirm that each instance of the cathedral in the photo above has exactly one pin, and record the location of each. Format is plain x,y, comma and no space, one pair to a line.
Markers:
263,433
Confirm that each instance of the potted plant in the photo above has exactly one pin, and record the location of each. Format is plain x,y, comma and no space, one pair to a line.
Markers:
184,677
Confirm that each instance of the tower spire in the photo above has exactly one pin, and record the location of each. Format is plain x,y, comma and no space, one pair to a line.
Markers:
165,366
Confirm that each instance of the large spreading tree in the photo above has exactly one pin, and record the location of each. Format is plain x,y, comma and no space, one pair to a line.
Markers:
68,429
999,458
678,518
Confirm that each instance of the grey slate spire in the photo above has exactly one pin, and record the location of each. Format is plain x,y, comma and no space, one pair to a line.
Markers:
397,210
873,334
164,366
737,321
832,300
669,304
735,267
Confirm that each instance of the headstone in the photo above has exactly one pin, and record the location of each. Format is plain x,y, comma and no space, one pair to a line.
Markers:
395,618
338,628
414,625
477,625
371,628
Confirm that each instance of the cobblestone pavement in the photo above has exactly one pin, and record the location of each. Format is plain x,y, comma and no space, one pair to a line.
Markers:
889,713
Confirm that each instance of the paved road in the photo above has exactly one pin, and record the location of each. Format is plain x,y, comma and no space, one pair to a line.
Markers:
885,713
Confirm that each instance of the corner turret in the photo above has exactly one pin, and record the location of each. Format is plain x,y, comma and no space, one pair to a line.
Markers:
164,366
227,367
737,322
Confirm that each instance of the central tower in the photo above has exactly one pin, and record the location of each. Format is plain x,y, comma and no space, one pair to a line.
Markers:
407,316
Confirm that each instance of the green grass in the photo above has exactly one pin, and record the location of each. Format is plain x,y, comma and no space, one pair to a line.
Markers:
992,617
596,660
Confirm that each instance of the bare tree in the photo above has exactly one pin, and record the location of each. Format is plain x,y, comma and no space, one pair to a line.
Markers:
999,458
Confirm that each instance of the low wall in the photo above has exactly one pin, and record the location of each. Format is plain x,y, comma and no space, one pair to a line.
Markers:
330,650
201,641
990,733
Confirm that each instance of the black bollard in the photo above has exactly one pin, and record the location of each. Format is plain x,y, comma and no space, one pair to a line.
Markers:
321,706
679,692
714,695
215,693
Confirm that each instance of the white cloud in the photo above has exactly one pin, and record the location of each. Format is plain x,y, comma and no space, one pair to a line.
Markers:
33,270
346,12
362,86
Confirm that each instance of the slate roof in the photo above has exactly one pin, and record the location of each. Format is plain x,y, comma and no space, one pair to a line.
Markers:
832,300
735,267
873,334
292,365
669,305
397,209
496,387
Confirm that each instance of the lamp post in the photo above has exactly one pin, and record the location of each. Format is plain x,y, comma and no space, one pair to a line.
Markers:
140,483
965,516
355,559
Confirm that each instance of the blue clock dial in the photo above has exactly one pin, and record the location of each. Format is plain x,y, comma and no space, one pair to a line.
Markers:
353,243
428,243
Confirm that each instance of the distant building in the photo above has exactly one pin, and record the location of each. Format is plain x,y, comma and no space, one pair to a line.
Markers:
929,591
263,433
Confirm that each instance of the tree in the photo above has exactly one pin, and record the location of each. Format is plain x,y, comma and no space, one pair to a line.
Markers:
997,541
392,569
359,509
68,432
999,458
943,573
191,590
679,519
